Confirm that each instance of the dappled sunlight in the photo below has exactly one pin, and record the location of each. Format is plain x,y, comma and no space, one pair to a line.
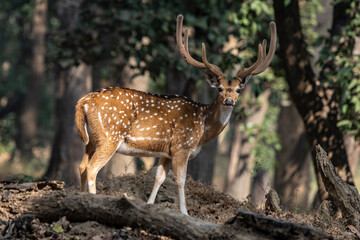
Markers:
237,99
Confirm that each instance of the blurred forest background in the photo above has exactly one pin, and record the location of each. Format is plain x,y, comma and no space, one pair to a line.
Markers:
54,52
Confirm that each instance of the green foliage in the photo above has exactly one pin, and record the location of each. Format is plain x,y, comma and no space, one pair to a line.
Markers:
266,141
287,2
269,142
58,229
308,12
145,32
346,69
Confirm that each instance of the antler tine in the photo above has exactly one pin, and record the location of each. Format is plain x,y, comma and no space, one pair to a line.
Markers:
271,52
186,40
244,72
264,43
213,68
184,49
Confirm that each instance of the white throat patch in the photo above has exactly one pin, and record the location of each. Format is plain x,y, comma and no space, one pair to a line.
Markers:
225,114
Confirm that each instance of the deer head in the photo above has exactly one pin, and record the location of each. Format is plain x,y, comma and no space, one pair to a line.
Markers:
228,89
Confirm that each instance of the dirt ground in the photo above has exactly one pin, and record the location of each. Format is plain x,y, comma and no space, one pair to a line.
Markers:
203,202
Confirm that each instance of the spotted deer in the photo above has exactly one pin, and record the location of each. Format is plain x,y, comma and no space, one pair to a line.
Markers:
171,127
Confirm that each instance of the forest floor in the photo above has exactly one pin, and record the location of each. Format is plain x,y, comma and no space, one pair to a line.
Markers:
203,202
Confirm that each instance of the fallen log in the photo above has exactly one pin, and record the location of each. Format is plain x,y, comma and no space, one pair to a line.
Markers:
50,206
49,203
276,228
345,196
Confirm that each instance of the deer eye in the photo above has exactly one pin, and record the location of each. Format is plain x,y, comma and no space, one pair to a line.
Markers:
220,89
238,90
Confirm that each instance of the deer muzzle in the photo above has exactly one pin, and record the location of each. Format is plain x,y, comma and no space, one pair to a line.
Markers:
229,102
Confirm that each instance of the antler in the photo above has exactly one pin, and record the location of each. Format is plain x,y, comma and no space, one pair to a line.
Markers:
184,50
259,66
271,52
213,68
243,72
263,60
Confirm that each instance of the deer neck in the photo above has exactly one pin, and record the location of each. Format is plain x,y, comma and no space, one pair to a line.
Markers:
217,116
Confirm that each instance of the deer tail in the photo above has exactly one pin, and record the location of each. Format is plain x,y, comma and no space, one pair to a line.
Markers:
81,122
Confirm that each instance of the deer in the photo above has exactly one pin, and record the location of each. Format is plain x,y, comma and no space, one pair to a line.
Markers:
172,128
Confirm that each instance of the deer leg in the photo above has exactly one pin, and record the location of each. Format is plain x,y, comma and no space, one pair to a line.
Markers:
82,170
161,171
101,156
89,151
180,168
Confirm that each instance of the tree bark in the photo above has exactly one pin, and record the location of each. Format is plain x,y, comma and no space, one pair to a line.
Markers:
68,149
234,156
323,24
73,83
275,228
29,113
292,167
318,110
353,149
201,168
345,196
260,186
240,186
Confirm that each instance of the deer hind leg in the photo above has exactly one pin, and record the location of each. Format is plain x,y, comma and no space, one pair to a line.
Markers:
89,151
180,168
161,171
101,156
82,169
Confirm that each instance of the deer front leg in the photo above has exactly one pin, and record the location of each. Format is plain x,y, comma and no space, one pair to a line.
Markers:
180,168
161,171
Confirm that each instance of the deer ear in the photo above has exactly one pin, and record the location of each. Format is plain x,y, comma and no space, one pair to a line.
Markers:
212,79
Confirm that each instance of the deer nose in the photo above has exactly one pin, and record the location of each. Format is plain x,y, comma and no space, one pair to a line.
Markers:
229,102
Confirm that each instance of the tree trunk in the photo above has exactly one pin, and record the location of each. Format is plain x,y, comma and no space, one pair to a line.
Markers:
353,150
73,83
260,187
29,114
319,111
345,196
323,24
234,156
240,186
68,149
202,167
292,167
